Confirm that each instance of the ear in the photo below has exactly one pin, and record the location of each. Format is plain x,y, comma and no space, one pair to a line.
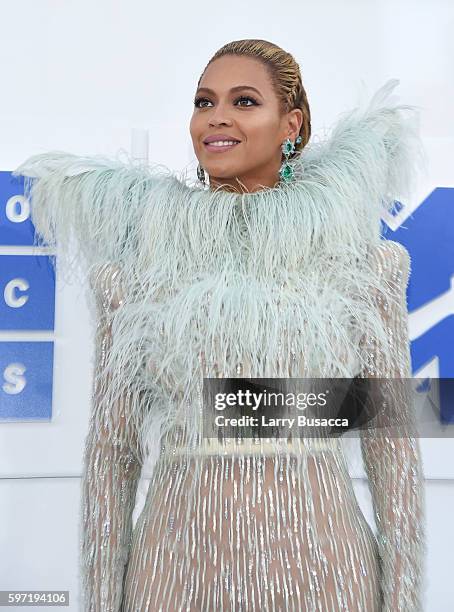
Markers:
295,121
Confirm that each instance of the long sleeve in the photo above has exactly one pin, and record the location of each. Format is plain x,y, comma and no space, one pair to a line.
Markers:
91,210
111,470
390,446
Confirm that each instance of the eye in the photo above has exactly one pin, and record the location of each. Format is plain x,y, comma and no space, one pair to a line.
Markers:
198,101
254,102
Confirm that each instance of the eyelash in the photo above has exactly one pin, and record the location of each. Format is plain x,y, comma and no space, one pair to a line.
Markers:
197,100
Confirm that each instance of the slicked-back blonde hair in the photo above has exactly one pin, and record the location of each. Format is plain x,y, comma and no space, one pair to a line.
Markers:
284,73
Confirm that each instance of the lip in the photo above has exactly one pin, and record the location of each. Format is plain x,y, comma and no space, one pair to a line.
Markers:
215,137
220,149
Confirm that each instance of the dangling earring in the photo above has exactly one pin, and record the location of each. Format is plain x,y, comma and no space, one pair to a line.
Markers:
286,169
201,174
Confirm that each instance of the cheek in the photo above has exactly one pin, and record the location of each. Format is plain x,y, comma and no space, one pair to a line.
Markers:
194,129
262,142
263,134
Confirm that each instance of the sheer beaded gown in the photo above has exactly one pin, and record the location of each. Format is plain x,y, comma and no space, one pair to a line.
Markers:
290,282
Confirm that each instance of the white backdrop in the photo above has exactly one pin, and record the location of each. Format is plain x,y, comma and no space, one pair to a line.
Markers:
77,76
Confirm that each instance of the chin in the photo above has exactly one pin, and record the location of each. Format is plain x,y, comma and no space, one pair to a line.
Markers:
222,172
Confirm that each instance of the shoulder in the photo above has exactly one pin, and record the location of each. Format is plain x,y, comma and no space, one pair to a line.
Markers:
392,260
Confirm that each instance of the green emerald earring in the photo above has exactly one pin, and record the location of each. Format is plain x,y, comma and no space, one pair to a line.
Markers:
286,170
201,174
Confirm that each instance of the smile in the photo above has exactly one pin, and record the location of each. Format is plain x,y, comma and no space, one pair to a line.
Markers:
221,146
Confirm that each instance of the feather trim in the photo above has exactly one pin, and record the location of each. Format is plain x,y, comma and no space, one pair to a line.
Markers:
278,281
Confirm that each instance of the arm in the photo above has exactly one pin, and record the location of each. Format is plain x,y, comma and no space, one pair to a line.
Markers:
390,447
92,209
111,470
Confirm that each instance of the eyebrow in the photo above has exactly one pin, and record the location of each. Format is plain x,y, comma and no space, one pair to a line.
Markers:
236,88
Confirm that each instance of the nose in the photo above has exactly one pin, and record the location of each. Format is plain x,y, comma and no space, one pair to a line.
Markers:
219,117
214,122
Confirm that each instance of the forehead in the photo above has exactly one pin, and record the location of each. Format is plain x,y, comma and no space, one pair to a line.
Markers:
229,71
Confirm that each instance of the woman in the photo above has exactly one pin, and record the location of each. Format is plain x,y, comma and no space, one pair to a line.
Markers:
275,269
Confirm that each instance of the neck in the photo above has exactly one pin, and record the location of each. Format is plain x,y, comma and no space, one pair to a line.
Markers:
235,185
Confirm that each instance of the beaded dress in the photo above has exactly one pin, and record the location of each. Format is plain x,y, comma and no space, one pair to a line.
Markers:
292,281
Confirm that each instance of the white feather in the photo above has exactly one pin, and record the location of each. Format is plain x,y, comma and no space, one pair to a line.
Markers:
232,276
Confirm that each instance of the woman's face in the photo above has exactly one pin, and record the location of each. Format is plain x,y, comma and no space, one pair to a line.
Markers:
236,100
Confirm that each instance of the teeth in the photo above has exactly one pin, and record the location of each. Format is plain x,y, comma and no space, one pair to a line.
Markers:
223,143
